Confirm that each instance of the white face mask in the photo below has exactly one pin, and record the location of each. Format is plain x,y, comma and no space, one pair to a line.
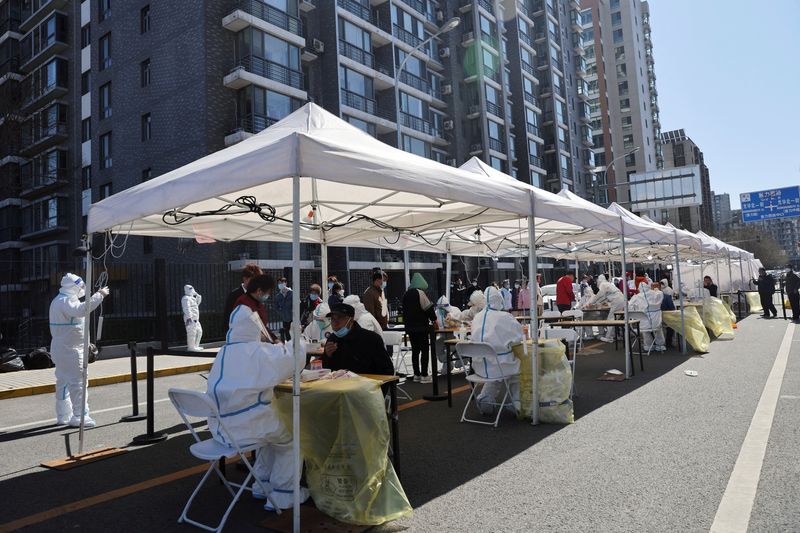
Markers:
340,293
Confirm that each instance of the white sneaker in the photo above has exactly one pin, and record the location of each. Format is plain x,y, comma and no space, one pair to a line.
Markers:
88,422
258,494
63,421
417,379
606,339
426,379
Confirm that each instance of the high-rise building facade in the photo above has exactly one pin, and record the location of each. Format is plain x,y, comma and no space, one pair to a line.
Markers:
623,97
721,210
101,95
680,151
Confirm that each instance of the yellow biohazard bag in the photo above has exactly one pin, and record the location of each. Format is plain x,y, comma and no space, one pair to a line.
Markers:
717,319
726,302
344,439
754,302
555,383
696,333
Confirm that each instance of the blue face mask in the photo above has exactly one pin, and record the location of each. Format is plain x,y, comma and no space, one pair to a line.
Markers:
330,285
313,297
341,332
264,298
281,286
383,285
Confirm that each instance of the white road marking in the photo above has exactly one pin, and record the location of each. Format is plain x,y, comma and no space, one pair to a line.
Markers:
733,513
51,421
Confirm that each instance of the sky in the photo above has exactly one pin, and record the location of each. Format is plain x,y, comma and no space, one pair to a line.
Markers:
727,72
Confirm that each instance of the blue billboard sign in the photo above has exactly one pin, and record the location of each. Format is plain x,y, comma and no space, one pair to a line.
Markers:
768,205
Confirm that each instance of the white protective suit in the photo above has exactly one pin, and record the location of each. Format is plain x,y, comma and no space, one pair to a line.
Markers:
665,288
507,298
477,301
363,317
648,301
191,318
501,330
608,293
240,383
67,314
320,325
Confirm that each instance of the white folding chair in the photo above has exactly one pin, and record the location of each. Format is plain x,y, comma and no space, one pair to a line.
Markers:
577,315
198,404
484,356
543,324
392,340
570,336
645,326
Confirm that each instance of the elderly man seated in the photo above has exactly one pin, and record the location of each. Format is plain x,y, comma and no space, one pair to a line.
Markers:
353,347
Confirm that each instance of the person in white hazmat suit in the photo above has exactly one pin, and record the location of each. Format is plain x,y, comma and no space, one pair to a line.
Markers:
319,326
240,384
608,293
648,301
501,330
363,317
67,314
476,304
191,318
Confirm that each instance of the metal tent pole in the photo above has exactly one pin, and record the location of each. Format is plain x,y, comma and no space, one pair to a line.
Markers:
628,354
533,326
296,350
87,331
680,293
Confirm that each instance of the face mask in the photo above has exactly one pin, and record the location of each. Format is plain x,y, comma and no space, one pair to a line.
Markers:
281,286
474,283
264,298
340,293
383,285
330,285
516,285
313,297
341,332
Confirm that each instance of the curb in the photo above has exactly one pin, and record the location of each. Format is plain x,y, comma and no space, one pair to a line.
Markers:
105,380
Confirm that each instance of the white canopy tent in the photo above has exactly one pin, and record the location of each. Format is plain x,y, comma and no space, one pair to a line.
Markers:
311,171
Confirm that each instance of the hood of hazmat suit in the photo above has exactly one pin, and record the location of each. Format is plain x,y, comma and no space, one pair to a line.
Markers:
320,325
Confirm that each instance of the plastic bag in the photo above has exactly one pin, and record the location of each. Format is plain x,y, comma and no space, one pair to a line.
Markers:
696,333
344,439
717,319
38,359
10,361
754,302
726,302
555,383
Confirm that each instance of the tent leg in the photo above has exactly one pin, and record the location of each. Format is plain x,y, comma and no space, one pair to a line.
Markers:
448,269
533,326
406,267
628,353
296,349
680,294
87,332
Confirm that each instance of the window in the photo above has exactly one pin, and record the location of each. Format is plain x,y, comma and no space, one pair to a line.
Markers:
411,105
588,35
415,146
623,88
497,163
104,51
86,177
104,9
354,35
86,36
625,103
363,125
146,131
616,18
627,141
105,150
630,160
86,82
586,17
355,82
618,36
627,123
147,174
614,4
144,72
105,190
619,53
105,100
622,70
86,129
144,19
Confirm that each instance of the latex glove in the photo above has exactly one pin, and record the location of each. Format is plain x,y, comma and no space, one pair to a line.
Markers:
104,291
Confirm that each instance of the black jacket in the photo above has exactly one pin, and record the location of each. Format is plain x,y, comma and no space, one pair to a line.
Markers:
230,302
712,290
766,284
415,317
360,351
792,283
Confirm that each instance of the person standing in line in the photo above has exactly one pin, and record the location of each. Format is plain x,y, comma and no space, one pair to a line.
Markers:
793,292
248,272
312,301
766,289
472,288
418,314
67,316
565,293
374,299
283,304
336,295
524,299
505,292
457,298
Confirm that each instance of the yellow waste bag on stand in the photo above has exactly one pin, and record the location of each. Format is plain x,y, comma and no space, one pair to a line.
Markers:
717,319
754,302
555,383
731,314
344,439
696,333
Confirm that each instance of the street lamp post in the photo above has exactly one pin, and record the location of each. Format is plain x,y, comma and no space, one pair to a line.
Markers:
452,23
605,170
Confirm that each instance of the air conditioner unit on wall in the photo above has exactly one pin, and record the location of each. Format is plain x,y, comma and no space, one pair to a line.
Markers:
439,15
317,45
448,124
447,88
444,51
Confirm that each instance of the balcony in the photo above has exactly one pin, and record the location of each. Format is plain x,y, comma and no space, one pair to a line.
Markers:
45,225
40,89
575,20
492,74
563,145
240,18
578,44
367,105
37,11
33,52
419,7
356,54
536,161
263,68
407,37
489,40
487,5
9,25
416,82
248,126
10,69
495,109
418,124
497,145
526,38
43,138
356,8
35,183
529,69
533,129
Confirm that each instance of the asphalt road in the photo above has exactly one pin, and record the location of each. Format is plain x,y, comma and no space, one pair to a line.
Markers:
650,454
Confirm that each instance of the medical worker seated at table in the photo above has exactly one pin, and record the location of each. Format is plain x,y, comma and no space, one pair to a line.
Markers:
476,303
608,293
648,301
320,327
364,318
501,330
240,384
354,348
